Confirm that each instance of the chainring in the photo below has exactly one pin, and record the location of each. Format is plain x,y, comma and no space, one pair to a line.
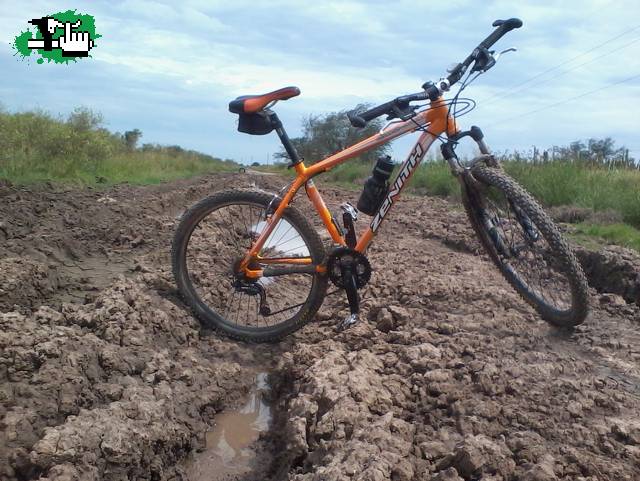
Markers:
344,256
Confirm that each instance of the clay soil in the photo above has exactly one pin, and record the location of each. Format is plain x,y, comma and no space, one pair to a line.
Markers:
105,375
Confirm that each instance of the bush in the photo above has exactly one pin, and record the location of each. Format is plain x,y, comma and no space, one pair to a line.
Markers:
34,146
612,194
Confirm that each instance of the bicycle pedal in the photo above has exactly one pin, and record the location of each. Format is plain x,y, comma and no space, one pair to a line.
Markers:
348,322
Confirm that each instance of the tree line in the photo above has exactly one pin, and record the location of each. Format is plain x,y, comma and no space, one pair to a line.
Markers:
326,134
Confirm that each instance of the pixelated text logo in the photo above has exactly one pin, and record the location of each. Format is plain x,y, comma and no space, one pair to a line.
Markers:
59,37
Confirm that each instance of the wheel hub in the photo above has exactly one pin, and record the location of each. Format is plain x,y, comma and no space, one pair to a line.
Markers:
239,273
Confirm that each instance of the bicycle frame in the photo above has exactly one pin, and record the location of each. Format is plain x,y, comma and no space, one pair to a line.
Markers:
435,120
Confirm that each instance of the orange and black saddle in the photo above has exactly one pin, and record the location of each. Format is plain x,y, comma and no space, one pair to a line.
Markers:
249,104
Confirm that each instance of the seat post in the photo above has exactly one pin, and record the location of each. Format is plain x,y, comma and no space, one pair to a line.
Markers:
286,141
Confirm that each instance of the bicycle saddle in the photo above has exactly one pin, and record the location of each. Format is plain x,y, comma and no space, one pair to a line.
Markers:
248,104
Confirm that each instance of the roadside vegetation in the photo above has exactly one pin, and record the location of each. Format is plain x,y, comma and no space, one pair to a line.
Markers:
595,181
37,147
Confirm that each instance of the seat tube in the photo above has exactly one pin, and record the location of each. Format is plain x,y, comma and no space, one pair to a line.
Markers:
323,211
286,141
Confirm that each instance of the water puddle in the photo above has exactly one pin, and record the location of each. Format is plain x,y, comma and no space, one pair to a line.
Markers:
228,452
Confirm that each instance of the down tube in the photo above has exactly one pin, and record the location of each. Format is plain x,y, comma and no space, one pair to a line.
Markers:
408,167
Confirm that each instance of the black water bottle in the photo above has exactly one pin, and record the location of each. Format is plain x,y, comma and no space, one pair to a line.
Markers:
376,186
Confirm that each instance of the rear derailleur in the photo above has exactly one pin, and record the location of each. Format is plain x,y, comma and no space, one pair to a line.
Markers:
253,289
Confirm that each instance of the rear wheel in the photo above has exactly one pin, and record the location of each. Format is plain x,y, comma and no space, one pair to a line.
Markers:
526,246
210,242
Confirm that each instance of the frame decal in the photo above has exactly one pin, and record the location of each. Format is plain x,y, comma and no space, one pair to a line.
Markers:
407,169
438,120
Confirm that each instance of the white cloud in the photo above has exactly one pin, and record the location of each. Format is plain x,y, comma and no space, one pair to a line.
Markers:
340,54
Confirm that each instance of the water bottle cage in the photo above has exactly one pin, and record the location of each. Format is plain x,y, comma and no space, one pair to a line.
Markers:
376,187
372,197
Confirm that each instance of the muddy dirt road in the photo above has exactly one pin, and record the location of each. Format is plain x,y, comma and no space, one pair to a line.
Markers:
105,376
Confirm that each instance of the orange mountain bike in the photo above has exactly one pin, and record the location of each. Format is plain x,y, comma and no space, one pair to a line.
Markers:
252,266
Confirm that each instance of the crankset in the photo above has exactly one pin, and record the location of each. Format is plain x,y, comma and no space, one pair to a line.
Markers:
350,270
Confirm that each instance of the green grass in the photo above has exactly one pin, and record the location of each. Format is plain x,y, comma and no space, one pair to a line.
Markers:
619,234
434,178
553,184
597,188
36,147
133,168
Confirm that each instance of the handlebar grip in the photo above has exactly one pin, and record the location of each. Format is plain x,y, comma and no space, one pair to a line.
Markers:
360,119
504,26
356,120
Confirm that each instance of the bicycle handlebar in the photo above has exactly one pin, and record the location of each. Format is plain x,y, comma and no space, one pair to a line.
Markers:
504,26
398,104
432,91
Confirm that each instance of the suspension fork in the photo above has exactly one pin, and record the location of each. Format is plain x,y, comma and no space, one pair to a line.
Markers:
471,190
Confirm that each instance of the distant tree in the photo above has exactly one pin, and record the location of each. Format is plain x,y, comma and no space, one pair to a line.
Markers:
324,135
595,152
84,119
131,138
577,150
174,150
255,164
602,149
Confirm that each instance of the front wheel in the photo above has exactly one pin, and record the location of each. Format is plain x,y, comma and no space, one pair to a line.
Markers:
526,246
210,242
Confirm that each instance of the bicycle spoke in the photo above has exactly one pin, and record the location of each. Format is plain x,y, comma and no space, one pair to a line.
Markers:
220,241
277,243
531,260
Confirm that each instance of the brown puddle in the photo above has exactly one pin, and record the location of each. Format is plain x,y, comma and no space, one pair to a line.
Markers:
228,452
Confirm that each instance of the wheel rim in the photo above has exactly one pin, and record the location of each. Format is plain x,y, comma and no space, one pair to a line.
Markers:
218,241
524,251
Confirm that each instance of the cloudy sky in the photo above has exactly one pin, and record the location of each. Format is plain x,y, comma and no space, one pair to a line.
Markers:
170,68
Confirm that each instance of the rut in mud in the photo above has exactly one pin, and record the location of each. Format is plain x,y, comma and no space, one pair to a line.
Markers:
105,375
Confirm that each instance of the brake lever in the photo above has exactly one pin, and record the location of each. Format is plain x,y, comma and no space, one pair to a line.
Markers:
486,59
510,49
403,114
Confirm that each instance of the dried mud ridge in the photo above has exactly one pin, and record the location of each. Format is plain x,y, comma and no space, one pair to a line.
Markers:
105,376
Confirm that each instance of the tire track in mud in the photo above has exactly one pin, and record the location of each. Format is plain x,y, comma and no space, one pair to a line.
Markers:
450,377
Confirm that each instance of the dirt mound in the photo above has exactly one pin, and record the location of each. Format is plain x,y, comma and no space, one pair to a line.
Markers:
454,378
450,375
613,269
24,282
78,241
108,390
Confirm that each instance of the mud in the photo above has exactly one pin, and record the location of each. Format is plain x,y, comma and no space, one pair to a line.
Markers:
230,448
613,269
450,376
